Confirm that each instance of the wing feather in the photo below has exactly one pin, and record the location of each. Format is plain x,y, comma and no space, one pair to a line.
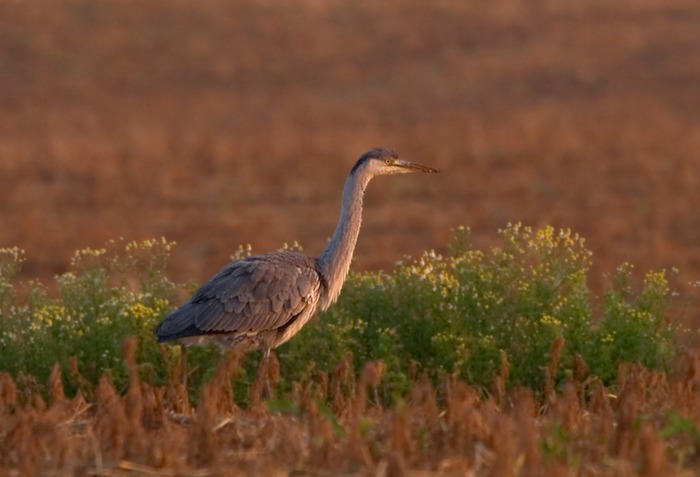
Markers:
258,293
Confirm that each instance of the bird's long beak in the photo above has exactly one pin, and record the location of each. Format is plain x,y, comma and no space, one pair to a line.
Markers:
413,167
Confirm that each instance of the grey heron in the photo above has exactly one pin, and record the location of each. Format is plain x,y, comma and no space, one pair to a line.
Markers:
262,301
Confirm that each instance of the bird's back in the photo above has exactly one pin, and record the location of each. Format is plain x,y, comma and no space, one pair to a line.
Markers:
251,303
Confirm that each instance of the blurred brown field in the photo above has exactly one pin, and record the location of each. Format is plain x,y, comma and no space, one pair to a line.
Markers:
219,123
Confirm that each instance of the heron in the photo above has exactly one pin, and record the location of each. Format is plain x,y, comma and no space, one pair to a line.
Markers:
262,301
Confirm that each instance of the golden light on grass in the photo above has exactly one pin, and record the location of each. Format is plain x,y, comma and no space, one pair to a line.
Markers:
139,431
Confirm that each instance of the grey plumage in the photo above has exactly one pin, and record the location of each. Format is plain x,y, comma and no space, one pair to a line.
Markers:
262,301
261,293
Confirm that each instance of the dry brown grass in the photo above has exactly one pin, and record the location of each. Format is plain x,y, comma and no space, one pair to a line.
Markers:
582,429
220,123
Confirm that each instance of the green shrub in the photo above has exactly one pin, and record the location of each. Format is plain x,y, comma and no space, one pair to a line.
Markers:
455,314
107,295
634,326
436,314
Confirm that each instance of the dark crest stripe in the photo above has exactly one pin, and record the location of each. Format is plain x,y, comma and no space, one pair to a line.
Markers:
378,153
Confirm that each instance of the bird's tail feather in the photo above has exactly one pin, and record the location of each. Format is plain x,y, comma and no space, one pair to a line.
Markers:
178,324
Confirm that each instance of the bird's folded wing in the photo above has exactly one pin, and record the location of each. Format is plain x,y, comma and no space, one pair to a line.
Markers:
258,293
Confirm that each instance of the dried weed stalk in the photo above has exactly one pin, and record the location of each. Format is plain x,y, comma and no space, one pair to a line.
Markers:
451,430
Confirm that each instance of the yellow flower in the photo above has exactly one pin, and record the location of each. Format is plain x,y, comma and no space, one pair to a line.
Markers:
550,320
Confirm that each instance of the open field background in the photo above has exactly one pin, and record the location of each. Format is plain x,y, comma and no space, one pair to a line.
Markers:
221,123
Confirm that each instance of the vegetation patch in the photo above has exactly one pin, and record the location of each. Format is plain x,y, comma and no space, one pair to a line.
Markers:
464,315
485,362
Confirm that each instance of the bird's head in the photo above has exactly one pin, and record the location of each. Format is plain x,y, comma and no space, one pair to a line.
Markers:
384,161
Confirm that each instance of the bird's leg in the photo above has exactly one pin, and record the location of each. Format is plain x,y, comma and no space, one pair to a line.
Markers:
264,375
183,366
266,361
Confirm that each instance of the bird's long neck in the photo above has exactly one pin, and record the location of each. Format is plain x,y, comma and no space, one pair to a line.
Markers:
334,261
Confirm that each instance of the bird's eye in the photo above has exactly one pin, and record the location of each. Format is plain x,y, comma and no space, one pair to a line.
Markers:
389,162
